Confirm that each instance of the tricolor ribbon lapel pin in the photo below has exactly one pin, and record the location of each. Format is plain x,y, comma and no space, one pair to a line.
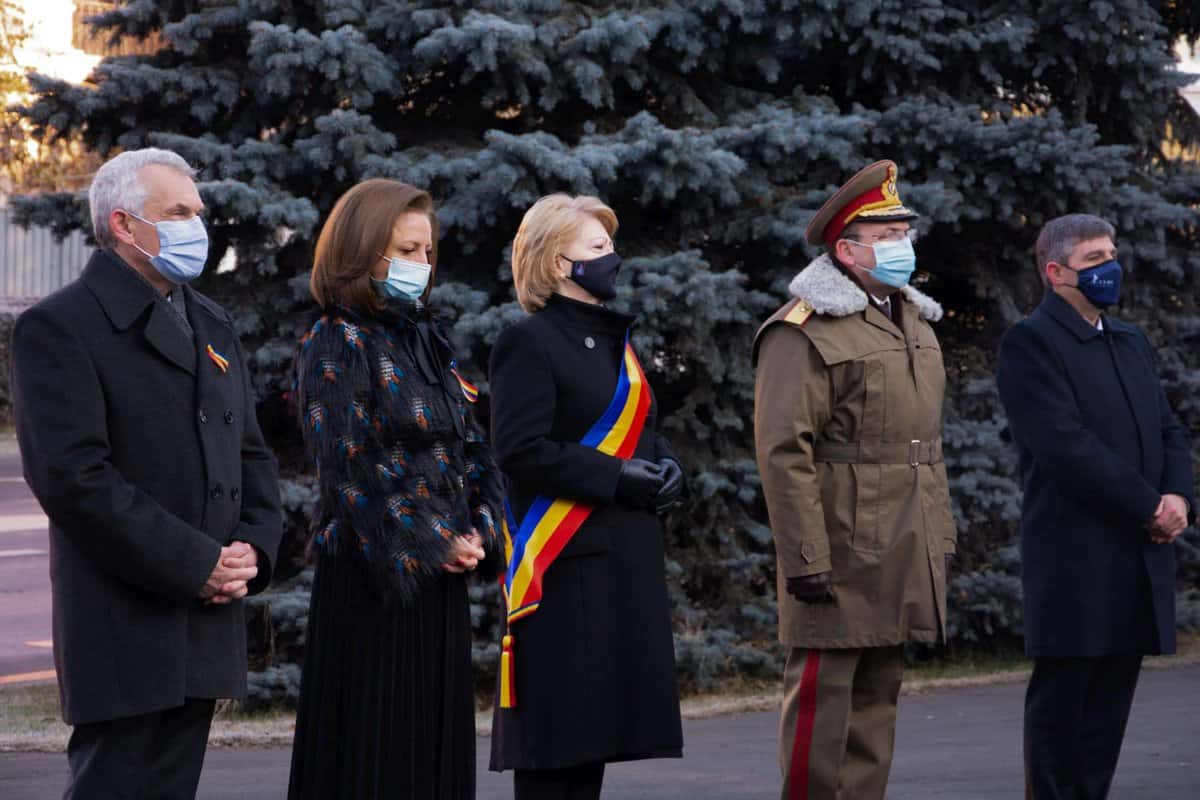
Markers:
221,361
470,391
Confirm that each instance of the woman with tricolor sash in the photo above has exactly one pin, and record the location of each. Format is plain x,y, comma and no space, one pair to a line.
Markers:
410,503
587,673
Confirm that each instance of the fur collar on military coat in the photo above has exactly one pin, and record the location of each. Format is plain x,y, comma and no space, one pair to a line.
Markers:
403,467
830,291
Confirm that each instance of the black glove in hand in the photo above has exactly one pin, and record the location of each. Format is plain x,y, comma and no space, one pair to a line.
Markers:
672,488
638,484
812,588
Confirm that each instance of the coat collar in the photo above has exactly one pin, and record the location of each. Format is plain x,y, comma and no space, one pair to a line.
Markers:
118,289
124,296
1066,315
588,315
830,291
203,310
212,328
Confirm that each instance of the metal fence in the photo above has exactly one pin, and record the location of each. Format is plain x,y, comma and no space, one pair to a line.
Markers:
33,263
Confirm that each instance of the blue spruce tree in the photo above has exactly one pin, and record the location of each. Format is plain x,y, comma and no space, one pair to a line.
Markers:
715,128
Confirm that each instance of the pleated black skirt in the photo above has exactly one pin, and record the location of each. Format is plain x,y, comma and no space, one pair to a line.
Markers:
386,707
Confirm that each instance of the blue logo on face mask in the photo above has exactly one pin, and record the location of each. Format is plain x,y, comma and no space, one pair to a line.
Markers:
1101,284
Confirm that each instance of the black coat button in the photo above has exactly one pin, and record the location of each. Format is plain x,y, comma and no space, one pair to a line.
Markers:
203,418
229,417
234,493
216,492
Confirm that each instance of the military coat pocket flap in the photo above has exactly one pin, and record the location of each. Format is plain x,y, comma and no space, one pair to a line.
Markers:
814,550
927,341
862,349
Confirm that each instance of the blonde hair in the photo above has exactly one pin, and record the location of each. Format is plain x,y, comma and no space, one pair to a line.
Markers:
546,228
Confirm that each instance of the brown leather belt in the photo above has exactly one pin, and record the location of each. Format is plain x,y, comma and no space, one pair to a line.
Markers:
913,453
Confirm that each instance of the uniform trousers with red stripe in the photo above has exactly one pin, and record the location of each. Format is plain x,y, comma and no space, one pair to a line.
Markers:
839,722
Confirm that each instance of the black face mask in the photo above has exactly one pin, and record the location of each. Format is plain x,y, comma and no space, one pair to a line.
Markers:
597,276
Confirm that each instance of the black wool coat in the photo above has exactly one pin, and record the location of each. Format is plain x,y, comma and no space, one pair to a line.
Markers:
147,458
1099,446
595,665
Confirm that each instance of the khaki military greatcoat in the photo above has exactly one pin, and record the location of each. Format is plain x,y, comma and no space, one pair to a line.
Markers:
848,425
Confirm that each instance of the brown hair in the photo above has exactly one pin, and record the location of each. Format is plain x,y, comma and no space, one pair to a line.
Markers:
547,227
357,232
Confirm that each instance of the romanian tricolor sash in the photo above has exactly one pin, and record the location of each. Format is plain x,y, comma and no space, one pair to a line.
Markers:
550,523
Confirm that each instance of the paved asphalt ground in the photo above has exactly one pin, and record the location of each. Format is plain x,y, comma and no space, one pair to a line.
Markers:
960,744
24,575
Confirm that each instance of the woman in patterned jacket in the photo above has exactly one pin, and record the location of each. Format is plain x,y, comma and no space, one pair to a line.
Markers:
409,504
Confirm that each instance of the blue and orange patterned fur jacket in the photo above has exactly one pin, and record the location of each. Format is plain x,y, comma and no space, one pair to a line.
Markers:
403,465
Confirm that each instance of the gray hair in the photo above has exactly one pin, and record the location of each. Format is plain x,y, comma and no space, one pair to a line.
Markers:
117,185
1060,235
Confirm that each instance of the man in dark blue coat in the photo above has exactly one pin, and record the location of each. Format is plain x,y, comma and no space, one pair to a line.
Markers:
135,415
1108,485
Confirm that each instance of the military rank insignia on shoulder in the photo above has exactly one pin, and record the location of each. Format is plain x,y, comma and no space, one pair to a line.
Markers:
799,314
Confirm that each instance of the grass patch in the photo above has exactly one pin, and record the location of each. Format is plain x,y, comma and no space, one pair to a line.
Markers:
30,719
233,727
970,669
1187,652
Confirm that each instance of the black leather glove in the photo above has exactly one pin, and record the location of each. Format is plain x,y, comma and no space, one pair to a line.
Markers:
672,488
639,483
812,588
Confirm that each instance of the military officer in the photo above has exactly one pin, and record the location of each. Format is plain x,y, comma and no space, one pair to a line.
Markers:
848,416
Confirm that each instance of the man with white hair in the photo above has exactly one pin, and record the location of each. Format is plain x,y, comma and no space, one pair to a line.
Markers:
135,416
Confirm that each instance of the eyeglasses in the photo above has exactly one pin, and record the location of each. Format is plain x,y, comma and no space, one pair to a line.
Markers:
891,236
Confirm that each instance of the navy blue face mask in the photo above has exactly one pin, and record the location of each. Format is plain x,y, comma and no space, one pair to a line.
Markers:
598,275
1100,284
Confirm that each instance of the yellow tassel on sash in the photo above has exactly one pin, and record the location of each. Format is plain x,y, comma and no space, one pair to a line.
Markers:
508,685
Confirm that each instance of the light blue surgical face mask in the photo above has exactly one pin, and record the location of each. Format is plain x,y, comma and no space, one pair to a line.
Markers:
182,248
406,280
895,261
